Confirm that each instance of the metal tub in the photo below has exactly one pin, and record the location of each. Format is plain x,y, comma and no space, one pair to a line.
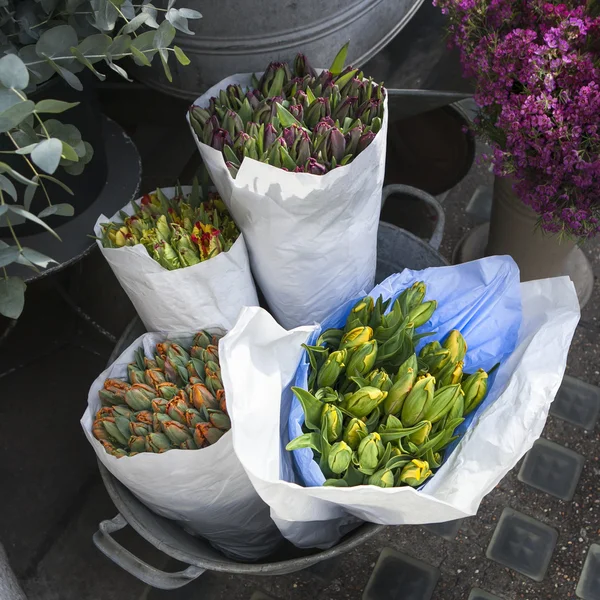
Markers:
398,250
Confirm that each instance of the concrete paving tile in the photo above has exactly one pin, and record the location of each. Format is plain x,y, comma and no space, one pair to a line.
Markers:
588,587
400,576
523,544
577,402
552,468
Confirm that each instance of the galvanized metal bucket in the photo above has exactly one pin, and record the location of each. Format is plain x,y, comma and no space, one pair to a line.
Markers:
398,250
244,37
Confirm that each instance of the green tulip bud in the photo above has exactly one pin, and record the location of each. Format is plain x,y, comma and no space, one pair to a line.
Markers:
415,473
418,401
140,396
339,457
457,346
422,313
403,384
419,437
328,394
362,310
443,401
157,442
475,389
458,409
370,451
383,478
331,422
354,432
380,379
139,429
176,432
137,443
220,420
332,368
411,297
364,401
363,359
356,337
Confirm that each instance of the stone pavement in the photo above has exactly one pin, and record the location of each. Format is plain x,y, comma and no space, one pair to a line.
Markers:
53,498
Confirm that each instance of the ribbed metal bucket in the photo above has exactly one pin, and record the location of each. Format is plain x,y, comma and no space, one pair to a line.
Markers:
243,37
398,250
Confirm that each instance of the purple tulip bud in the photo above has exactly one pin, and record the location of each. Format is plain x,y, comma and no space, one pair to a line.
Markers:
352,138
324,78
323,126
252,97
368,110
220,138
232,169
365,140
289,135
212,103
233,123
302,98
314,167
299,169
302,66
209,128
316,111
240,141
345,108
297,111
337,144
301,149
270,136
353,87
274,102
270,74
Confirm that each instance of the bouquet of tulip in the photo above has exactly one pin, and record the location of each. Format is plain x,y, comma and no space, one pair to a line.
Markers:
157,420
293,118
298,156
377,413
177,232
536,67
175,400
180,258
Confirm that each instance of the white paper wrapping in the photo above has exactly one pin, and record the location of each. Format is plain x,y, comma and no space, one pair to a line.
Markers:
312,239
205,490
212,291
318,516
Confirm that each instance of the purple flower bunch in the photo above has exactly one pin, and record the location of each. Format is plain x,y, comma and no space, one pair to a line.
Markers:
536,65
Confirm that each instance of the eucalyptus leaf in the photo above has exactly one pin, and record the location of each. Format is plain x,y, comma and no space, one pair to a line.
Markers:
46,155
119,47
39,72
181,56
37,258
8,98
13,72
19,210
140,57
117,69
178,21
189,13
8,255
165,63
13,116
94,47
64,186
62,210
12,297
135,23
151,11
54,106
164,35
69,153
29,194
4,168
57,42
6,185
145,44
105,14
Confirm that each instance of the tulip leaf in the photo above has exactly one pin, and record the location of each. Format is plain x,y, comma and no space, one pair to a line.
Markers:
286,160
311,97
337,66
336,483
277,84
12,297
231,156
311,406
306,440
245,112
286,118
344,79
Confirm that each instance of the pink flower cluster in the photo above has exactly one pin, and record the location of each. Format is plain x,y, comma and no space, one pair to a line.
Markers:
536,65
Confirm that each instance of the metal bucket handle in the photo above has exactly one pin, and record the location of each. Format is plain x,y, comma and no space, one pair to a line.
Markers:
397,188
137,567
